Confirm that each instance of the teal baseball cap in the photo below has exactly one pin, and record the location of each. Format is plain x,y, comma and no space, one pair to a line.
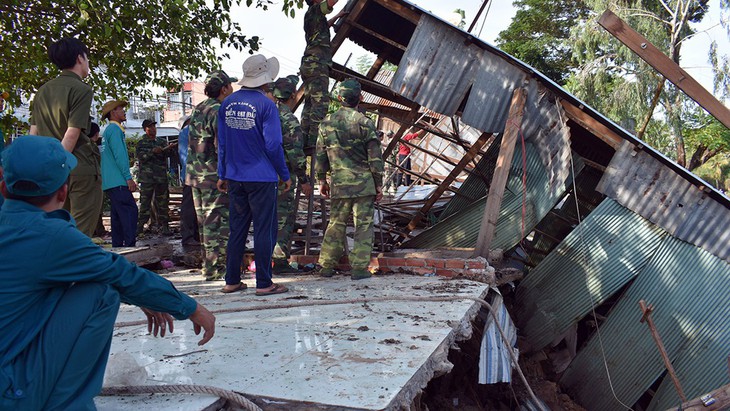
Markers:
41,163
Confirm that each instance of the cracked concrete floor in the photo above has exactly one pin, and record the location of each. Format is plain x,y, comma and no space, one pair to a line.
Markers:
370,356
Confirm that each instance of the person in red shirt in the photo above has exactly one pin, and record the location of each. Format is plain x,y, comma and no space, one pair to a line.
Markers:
404,158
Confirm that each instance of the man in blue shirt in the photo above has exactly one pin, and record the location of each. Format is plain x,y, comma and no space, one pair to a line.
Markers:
188,218
250,164
57,312
116,179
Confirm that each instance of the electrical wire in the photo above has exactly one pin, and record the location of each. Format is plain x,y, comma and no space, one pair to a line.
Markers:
585,256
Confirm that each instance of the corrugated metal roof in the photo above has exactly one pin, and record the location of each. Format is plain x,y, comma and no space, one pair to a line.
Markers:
688,288
594,261
455,57
462,229
544,124
491,95
437,68
644,185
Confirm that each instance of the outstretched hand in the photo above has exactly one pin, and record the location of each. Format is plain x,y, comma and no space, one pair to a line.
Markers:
158,322
205,320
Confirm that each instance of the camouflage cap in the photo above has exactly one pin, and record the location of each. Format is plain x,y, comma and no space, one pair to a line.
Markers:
220,77
349,90
284,87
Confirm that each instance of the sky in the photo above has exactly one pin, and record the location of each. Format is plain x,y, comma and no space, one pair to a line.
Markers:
283,37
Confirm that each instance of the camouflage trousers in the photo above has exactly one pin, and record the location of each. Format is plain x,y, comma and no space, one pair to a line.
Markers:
286,213
161,193
211,207
315,75
335,241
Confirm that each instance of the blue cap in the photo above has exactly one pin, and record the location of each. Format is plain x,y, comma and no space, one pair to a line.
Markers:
41,161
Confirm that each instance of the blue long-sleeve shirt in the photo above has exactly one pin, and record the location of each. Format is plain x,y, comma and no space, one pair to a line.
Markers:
41,254
249,139
114,158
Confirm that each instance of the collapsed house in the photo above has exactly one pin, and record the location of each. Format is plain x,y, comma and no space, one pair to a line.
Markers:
602,220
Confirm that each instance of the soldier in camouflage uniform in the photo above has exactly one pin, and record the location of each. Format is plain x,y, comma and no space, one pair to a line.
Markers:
315,67
348,148
201,174
152,154
286,208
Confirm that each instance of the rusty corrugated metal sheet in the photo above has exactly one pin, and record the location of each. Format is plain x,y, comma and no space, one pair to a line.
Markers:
646,186
688,288
437,68
606,251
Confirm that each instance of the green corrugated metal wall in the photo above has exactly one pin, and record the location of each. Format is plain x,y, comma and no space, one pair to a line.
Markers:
595,260
462,228
689,290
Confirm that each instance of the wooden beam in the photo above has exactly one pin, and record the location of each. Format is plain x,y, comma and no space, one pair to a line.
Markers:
720,399
410,119
436,195
664,65
340,73
501,172
407,12
442,157
378,36
592,125
375,68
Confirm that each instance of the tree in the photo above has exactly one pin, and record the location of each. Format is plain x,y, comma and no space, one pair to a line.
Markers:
364,62
539,32
133,44
617,82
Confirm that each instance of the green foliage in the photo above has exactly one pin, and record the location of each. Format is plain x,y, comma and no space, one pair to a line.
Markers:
539,32
614,80
133,44
364,62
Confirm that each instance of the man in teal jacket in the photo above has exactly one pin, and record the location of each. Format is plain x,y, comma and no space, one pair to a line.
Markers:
116,180
57,312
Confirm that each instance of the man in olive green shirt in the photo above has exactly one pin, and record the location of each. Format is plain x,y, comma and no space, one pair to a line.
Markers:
61,109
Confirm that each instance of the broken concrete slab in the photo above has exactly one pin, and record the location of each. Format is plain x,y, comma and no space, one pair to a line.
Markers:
369,356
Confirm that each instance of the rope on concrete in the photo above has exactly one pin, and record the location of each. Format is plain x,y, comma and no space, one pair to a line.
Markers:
484,304
234,397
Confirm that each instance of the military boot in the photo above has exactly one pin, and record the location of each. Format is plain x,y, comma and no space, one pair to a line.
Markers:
281,266
326,272
360,274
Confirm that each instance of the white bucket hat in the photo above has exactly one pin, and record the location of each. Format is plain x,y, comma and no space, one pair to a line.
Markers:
258,70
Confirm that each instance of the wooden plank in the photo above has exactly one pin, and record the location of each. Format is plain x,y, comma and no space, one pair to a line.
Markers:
664,65
436,195
409,13
501,172
592,125
378,36
340,73
375,68
721,397
405,126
